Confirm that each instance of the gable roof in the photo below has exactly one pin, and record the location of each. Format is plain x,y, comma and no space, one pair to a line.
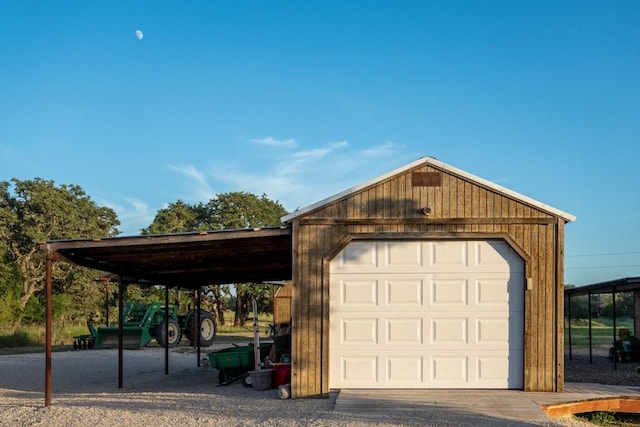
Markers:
430,161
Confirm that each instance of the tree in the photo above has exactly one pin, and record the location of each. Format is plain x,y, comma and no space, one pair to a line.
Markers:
234,210
178,217
37,210
624,305
241,210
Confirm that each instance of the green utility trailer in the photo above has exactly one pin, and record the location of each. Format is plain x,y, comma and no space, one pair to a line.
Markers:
144,322
235,362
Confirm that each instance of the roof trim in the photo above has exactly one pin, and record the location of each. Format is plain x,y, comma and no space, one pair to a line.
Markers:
440,165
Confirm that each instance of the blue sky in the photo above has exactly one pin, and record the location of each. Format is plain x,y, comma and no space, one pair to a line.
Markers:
301,100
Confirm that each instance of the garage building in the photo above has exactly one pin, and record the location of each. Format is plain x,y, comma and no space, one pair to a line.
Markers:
427,277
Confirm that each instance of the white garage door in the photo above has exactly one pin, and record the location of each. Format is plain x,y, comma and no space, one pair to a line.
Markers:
427,314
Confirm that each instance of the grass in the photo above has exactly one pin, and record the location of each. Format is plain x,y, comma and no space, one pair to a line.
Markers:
601,331
610,419
30,338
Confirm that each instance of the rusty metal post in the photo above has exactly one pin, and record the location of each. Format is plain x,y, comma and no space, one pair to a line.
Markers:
47,375
196,320
613,302
166,330
106,301
120,328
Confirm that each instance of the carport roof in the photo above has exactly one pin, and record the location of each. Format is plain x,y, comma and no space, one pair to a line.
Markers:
187,260
626,284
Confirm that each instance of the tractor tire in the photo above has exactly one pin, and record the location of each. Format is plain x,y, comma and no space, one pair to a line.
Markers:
174,334
207,329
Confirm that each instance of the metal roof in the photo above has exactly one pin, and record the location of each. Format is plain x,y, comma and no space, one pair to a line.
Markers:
187,260
626,284
430,161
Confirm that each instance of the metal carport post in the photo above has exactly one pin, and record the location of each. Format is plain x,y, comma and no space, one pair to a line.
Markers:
47,369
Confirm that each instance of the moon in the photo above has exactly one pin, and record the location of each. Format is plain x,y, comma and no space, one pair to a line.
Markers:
139,34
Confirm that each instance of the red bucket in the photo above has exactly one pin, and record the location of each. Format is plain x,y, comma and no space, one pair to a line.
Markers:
281,374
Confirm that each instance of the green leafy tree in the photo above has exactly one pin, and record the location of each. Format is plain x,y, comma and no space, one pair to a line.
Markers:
178,217
37,210
624,305
239,210
234,210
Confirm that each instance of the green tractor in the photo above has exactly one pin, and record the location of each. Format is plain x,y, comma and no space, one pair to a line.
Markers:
144,322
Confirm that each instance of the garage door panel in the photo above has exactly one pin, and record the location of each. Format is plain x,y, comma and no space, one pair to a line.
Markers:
358,330
492,331
492,256
492,292
404,254
449,255
403,370
358,369
449,293
499,372
404,292
449,370
358,256
404,331
359,292
448,331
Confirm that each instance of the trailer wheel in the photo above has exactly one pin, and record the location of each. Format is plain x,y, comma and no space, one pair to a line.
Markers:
224,376
207,329
174,334
247,381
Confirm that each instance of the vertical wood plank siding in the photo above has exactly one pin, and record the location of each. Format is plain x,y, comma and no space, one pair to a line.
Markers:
458,206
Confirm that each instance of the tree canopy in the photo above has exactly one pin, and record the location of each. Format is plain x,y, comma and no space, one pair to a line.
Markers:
235,210
38,210
34,211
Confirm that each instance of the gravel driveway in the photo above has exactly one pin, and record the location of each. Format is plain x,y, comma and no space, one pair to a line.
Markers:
85,393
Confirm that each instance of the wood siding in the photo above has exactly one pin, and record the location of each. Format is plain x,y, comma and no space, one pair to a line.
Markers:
459,209
282,304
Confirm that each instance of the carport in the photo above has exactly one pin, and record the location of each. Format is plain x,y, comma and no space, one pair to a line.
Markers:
187,260
613,287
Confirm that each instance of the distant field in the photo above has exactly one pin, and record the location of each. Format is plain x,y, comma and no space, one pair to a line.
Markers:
601,331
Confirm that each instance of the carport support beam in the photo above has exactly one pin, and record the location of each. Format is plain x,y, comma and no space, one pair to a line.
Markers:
569,313
166,330
196,322
120,328
613,306
47,374
590,337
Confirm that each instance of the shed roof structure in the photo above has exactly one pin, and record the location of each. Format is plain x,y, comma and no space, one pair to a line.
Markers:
187,260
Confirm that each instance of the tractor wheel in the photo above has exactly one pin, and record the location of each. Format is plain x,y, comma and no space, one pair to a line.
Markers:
174,334
207,329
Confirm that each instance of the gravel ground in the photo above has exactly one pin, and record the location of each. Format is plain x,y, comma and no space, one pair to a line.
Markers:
580,370
85,393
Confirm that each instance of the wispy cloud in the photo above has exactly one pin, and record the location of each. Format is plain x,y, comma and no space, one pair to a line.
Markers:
300,177
200,188
134,215
383,149
269,140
